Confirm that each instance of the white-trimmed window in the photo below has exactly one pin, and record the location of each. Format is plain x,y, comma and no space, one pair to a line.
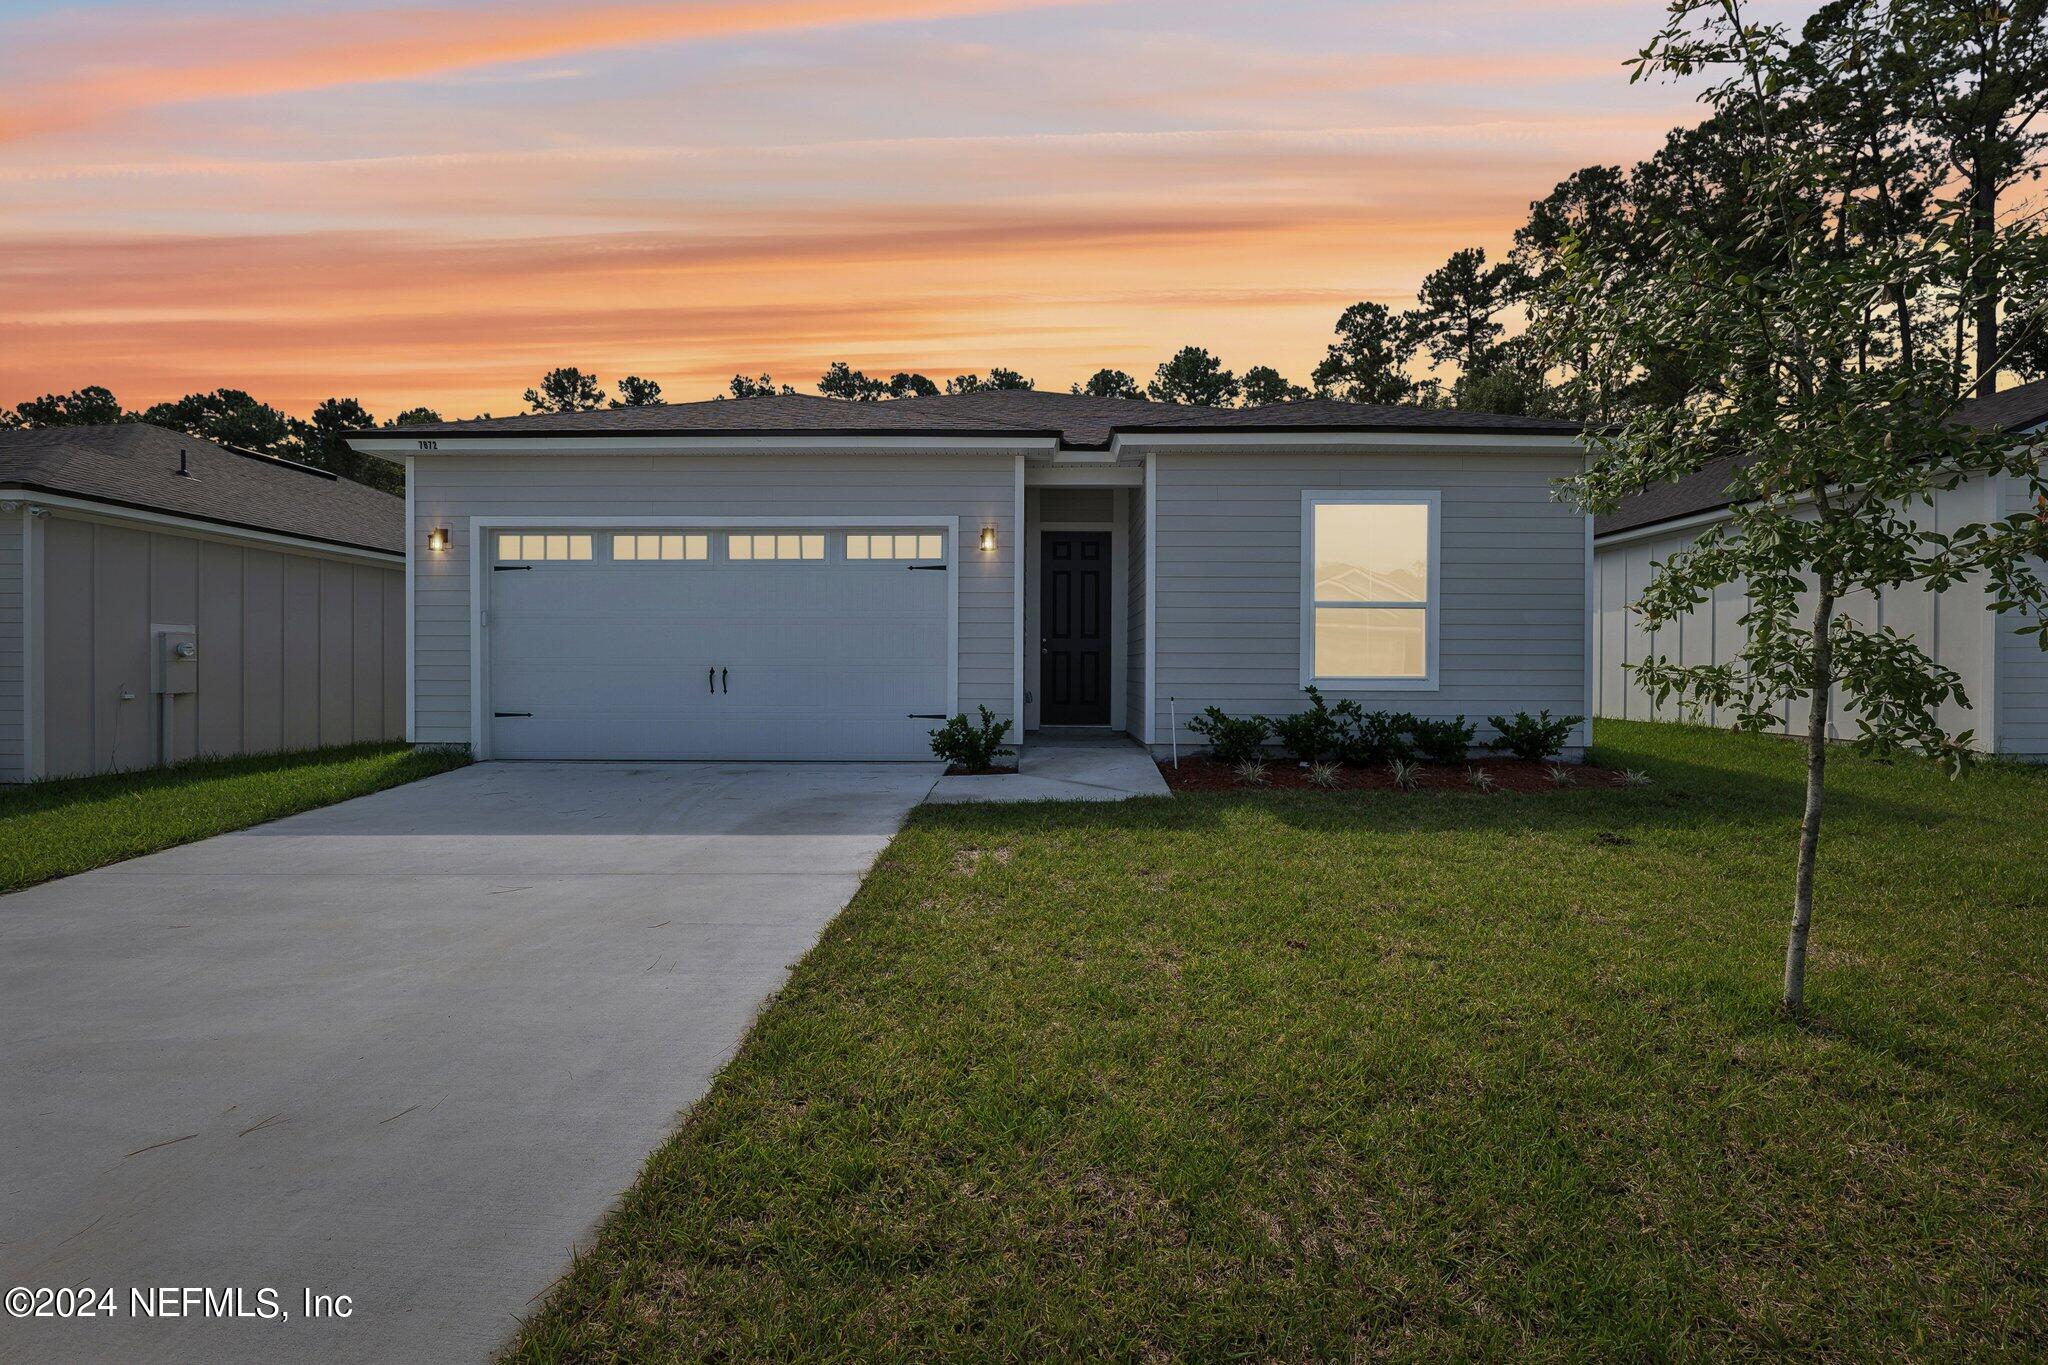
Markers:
642,545
778,545
1371,568
542,545
899,545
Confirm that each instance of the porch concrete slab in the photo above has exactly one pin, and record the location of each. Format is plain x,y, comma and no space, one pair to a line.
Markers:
409,1048
1064,768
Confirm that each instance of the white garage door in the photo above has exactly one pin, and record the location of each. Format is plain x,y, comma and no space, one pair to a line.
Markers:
734,644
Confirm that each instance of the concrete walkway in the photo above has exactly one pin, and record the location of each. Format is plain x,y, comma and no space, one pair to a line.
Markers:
407,1049
1064,767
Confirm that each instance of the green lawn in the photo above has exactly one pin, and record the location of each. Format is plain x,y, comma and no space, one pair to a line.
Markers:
53,829
1426,1076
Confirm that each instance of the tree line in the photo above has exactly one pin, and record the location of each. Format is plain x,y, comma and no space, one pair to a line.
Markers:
1933,101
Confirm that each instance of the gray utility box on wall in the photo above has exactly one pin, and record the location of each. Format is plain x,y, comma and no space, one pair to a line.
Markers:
174,662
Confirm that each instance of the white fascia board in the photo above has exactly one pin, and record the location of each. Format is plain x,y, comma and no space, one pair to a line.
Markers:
1085,476
705,445
198,526
1697,521
1141,443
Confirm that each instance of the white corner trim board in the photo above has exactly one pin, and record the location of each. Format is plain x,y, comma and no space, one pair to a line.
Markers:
1151,598
411,672
1017,602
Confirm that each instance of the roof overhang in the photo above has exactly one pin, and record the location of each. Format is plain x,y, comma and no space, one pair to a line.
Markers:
1127,445
715,443
15,496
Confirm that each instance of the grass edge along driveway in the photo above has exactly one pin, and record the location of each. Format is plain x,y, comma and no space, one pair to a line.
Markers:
65,826
1301,1076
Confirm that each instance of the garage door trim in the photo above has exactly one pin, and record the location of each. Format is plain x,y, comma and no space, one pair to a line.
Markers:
480,529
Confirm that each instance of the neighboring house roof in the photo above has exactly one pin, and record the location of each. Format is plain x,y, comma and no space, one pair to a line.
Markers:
2016,409
1078,421
135,465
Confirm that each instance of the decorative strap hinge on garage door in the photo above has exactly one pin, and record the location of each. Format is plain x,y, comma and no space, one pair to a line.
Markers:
924,715
501,715
934,568
511,568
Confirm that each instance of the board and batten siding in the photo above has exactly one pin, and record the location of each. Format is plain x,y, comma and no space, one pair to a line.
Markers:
1228,586
13,642
1954,627
296,650
2022,666
448,490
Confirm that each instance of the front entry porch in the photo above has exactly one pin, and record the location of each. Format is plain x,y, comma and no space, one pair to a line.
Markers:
1064,765
1079,673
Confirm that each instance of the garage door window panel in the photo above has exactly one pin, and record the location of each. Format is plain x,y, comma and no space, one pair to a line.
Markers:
866,545
644,547
542,547
755,547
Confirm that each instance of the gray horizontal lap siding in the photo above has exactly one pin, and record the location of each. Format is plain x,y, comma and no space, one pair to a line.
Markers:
448,490
1227,583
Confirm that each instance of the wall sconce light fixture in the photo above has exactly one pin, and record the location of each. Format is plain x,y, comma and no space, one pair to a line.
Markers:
988,539
437,539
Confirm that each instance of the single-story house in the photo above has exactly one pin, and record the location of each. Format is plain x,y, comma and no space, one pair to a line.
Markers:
163,597
2004,673
802,578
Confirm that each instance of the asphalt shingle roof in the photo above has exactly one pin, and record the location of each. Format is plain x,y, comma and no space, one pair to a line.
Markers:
1077,420
2015,409
134,464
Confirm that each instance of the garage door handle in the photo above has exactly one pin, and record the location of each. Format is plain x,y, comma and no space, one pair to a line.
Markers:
722,680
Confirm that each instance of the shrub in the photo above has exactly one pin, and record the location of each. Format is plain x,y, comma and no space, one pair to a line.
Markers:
1375,737
1232,739
1252,772
1407,776
1532,737
1323,775
1480,780
1310,734
1561,775
972,746
1443,741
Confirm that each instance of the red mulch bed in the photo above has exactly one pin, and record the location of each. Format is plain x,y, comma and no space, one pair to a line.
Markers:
1205,774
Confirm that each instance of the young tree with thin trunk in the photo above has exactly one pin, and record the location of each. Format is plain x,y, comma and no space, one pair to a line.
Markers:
1838,423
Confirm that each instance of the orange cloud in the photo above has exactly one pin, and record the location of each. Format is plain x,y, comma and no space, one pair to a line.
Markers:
147,65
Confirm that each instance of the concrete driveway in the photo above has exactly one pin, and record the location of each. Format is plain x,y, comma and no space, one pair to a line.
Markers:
407,1049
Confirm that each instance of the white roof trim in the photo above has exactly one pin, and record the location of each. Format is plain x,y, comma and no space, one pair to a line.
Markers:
201,526
704,445
1658,528
1135,443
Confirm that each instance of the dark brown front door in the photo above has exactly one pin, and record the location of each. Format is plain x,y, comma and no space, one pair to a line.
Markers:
1073,619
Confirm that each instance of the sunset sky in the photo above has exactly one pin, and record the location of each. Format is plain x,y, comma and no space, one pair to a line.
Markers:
433,204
